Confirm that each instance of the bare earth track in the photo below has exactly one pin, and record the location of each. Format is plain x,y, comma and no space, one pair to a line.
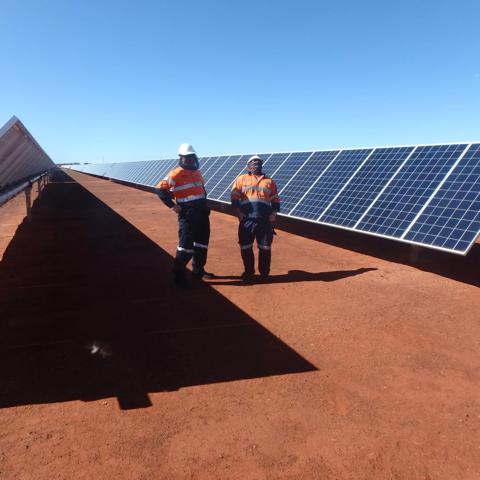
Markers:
351,363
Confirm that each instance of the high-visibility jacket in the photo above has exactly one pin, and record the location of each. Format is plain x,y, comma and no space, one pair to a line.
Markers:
255,195
185,186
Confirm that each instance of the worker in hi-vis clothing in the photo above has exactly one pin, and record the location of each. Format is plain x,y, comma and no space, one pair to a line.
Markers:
256,203
183,191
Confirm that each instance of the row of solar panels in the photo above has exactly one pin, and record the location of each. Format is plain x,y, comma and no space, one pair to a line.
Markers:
425,195
21,157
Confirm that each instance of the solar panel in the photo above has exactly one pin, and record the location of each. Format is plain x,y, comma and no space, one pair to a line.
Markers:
132,171
289,167
220,174
398,205
148,172
273,161
225,182
166,167
21,157
113,171
368,182
216,173
211,167
329,184
140,174
426,195
304,178
153,173
203,163
451,220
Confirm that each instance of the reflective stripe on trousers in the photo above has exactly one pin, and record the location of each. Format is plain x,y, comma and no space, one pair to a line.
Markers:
186,250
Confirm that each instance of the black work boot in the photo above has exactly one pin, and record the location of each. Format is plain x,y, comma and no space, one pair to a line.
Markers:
247,277
202,274
264,260
249,264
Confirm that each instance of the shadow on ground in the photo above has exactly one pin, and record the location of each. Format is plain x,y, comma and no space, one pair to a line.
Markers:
87,311
294,276
464,269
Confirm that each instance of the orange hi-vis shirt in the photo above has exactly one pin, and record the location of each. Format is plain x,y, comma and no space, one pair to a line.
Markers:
184,185
255,195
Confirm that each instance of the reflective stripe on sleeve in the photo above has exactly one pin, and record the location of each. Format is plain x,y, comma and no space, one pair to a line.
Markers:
199,245
170,181
190,198
246,247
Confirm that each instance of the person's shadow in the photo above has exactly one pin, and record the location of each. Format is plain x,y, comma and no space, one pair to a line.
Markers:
292,276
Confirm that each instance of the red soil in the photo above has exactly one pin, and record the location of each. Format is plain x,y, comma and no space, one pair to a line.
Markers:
361,363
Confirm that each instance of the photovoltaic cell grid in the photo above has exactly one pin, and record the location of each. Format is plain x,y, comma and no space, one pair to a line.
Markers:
152,177
211,167
289,167
369,181
329,184
225,183
427,195
145,174
224,166
163,171
452,219
302,179
272,162
396,208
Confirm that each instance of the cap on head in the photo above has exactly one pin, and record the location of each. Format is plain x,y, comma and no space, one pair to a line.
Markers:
186,149
254,164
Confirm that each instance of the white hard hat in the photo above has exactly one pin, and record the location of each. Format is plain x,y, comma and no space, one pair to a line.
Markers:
254,158
186,149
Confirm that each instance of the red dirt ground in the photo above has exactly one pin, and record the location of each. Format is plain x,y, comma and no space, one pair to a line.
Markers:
361,363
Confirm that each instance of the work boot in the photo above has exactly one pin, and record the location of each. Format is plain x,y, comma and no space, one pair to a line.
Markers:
264,259
264,275
247,276
202,274
248,260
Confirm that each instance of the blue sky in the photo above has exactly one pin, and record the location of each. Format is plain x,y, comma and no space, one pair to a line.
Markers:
116,80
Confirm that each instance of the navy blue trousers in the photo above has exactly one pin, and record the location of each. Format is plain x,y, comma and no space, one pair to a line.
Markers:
193,238
260,229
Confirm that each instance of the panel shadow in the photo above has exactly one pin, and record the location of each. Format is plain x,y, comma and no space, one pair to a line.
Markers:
88,311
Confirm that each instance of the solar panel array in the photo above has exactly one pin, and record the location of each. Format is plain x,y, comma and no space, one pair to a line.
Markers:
425,195
21,157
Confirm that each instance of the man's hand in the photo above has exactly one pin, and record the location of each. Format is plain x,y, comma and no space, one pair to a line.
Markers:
272,217
177,208
240,215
